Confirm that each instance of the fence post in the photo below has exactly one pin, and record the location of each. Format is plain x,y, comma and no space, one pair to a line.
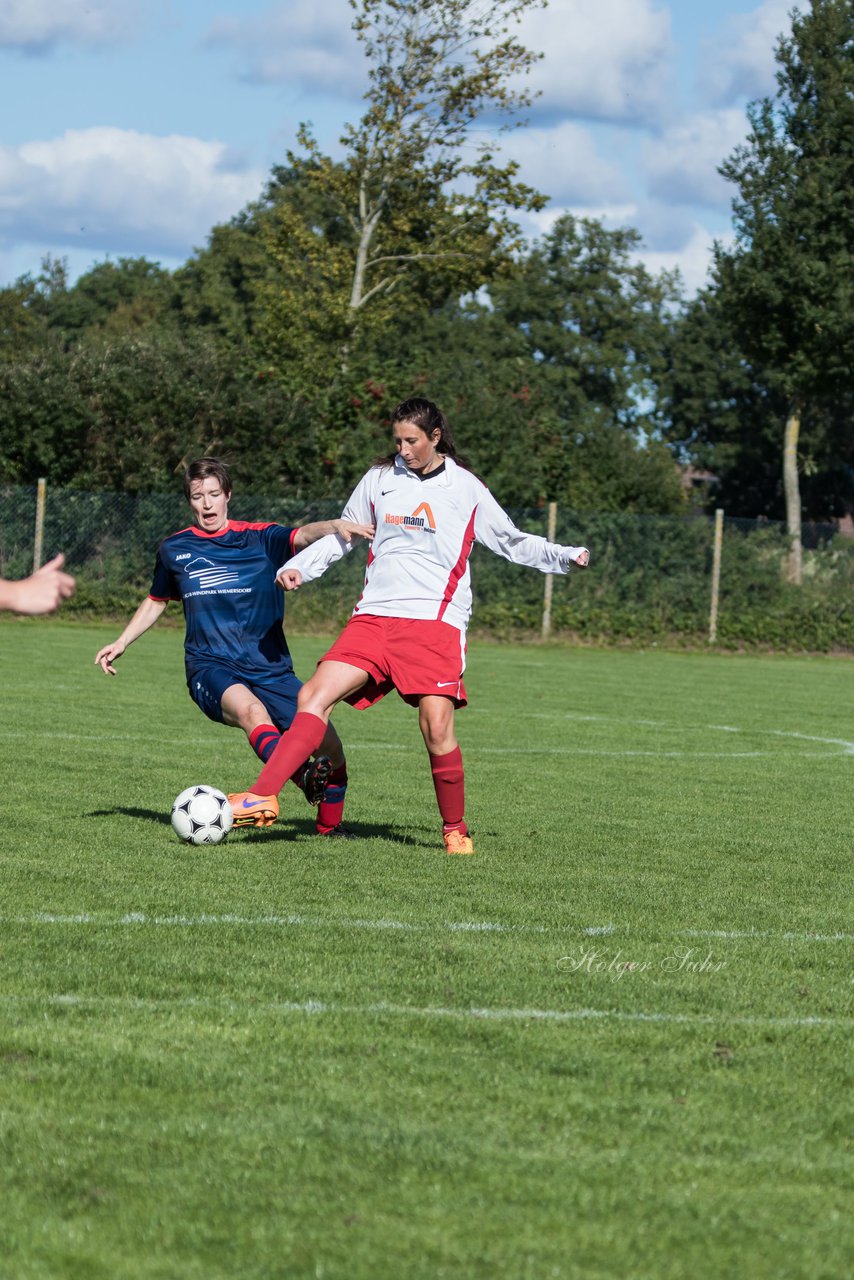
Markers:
716,574
549,587
38,539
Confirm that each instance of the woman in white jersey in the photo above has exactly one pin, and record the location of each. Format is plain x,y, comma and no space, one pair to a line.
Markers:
408,630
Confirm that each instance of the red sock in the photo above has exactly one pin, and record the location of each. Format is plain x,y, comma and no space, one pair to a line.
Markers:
301,740
330,811
263,740
449,781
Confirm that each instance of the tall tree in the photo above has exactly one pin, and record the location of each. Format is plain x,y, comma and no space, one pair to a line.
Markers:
218,287
551,384
724,416
116,297
416,211
787,284
594,324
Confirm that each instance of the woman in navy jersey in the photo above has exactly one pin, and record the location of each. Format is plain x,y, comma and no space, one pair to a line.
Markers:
238,666
408,629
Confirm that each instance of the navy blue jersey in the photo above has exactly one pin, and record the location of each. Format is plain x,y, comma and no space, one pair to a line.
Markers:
226,582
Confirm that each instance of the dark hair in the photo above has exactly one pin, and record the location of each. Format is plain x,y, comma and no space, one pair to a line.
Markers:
428,417
204,469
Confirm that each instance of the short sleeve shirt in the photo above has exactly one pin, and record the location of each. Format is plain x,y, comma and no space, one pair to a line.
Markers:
226,582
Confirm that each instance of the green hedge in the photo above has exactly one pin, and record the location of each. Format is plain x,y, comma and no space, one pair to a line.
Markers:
649,581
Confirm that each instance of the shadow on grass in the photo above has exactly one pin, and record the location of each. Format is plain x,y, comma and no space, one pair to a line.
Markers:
147,815
288,830
301,830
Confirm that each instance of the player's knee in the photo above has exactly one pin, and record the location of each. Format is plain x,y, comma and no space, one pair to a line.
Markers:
311,700
438,734
251,714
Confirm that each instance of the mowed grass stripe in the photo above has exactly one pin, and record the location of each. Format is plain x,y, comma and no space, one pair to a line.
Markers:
133,919
71,1000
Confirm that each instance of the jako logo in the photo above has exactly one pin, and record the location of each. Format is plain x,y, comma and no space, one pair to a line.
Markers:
416,520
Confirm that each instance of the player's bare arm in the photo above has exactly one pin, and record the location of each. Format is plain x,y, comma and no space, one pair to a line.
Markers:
146,616
346,529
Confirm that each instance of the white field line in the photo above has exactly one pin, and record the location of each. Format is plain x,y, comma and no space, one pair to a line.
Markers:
657,755
845,747
139,918
383,1009
472,752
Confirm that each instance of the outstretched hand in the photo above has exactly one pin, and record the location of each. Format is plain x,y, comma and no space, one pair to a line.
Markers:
350,529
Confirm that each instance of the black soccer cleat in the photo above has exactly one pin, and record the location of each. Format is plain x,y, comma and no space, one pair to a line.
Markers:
314,778
338,833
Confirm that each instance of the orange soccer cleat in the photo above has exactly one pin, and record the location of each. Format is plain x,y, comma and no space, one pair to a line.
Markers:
457,842
253,811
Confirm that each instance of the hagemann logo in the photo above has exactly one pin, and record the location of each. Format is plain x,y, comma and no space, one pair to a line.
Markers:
417,520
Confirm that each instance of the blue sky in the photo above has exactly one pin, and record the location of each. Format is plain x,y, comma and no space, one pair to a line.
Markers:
131,127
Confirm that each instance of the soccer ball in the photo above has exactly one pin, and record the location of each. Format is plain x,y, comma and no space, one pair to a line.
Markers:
202,815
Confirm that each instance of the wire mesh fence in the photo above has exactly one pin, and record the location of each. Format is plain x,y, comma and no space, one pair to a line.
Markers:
650,577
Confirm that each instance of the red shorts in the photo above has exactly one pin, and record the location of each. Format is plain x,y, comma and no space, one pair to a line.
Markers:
412,655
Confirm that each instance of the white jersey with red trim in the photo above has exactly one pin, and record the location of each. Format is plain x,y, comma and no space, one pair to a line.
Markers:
418,562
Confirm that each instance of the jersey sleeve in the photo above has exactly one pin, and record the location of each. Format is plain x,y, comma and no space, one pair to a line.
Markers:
163,586
278,542
313,561
495,530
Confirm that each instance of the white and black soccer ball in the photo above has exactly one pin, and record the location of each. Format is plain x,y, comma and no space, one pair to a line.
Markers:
202,815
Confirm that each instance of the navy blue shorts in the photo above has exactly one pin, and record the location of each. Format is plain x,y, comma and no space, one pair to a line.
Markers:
277,691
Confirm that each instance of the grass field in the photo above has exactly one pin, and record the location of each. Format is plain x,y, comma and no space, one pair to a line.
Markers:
612,1044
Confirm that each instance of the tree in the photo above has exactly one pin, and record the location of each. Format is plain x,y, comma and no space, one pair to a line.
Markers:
21,326
117,297
218,288
416,212
724,416
551,383
26,308
128,413
593,325
786,284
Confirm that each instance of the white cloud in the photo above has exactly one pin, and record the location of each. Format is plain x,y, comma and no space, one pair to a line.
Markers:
304,44
692,258
682,163
36,26
114,190
604,61
564,163
740,64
